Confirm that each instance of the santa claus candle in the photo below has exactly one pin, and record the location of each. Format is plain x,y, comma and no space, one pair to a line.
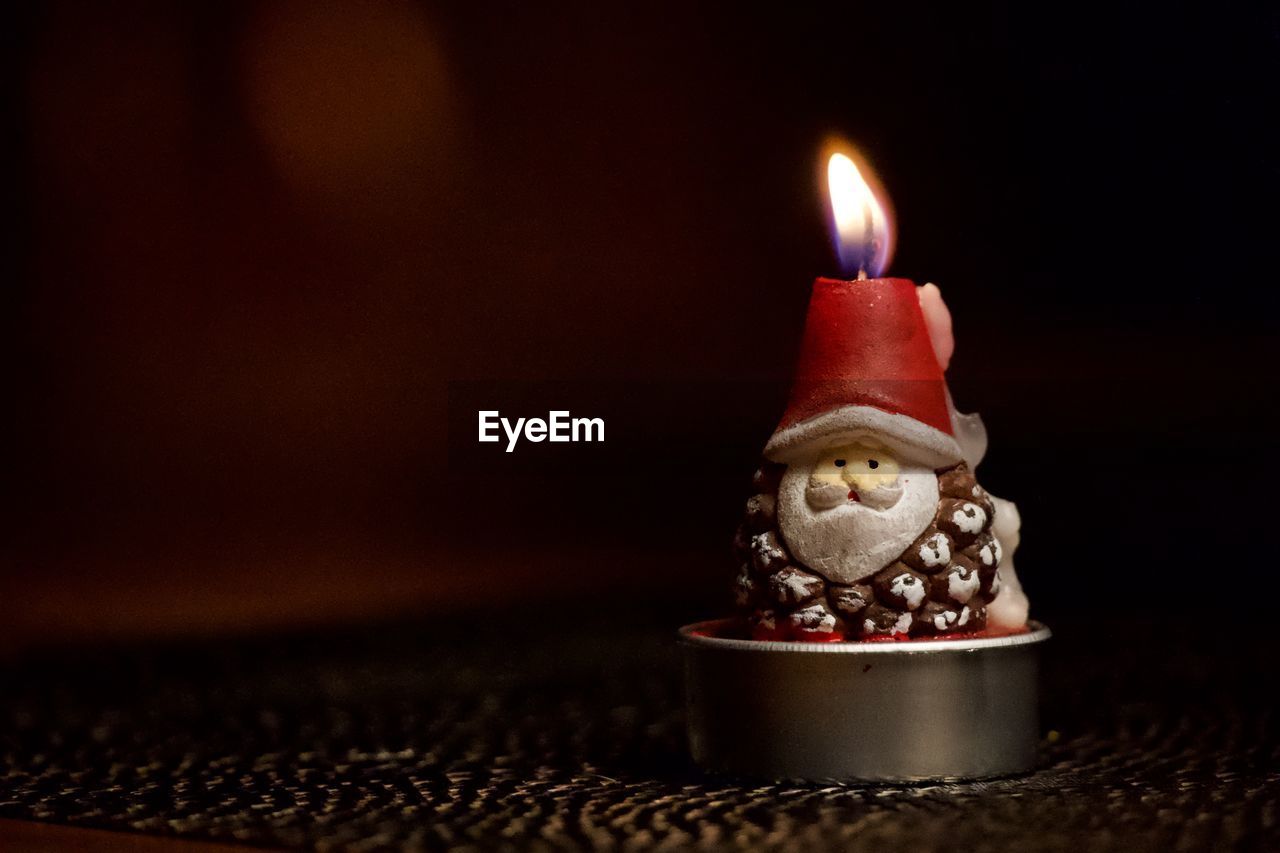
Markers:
868,523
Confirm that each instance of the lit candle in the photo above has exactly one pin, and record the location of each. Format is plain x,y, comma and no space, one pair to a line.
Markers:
880,632
868,523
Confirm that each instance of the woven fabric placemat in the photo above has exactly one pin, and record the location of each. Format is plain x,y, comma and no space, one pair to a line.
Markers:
514,734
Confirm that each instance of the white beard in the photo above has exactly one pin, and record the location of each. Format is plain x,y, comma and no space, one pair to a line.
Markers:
851,542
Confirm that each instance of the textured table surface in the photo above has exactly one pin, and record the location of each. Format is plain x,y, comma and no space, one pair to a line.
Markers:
519,735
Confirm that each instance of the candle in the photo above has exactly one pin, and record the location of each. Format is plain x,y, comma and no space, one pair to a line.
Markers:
880,632
868,522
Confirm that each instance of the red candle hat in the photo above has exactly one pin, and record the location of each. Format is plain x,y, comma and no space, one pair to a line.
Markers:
867,368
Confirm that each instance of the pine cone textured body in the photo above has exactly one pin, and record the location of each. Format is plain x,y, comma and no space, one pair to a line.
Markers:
939,585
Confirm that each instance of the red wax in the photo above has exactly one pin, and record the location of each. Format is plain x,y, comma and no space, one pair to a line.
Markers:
818,636
736,629
865,343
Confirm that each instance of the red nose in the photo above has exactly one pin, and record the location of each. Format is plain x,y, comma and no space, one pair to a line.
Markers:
853,496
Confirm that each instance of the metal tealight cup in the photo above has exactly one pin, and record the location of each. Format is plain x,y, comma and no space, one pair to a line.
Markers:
887,712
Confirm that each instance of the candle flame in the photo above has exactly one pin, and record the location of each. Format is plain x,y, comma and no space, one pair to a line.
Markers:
862,224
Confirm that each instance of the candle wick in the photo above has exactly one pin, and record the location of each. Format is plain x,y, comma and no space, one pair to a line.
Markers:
868,239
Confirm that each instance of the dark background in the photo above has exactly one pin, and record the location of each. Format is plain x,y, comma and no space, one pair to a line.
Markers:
267,258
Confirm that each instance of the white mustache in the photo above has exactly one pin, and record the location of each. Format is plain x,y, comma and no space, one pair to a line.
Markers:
822,496
882,497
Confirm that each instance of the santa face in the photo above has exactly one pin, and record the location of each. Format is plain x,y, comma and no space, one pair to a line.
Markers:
860,473
849,511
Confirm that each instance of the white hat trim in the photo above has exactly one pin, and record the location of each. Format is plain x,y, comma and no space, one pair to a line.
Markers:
914,439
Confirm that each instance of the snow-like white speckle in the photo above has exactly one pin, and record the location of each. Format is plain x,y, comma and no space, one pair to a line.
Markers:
909,589
814,618
743,588
990,553
766,551
964,616
935,551
962,583
795,585
901,626
970,518
995,583
944,620
849,601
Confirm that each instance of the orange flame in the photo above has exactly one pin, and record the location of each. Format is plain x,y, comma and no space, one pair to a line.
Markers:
861,218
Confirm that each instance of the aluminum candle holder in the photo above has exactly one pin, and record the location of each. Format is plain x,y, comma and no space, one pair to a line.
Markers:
881,631
875,712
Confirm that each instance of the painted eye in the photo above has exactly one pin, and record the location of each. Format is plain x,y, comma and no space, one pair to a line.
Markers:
839,463
873,464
